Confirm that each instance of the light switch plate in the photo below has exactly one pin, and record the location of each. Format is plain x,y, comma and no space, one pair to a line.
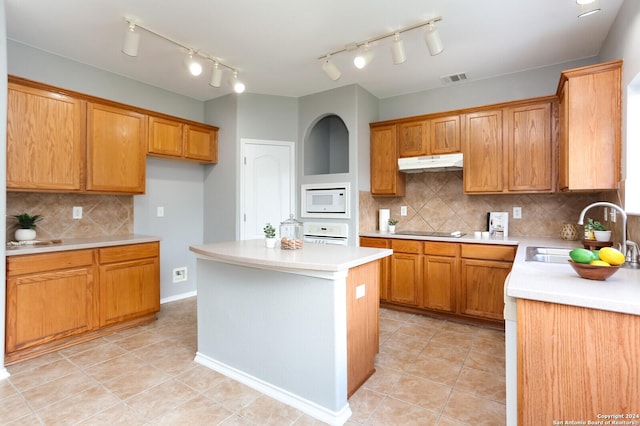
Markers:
77,212
517,212
360,291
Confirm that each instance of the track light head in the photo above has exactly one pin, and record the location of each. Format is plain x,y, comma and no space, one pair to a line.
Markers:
193,65
587,7
363,59
397,50
432,38
238,86
216,75
131,41
330,69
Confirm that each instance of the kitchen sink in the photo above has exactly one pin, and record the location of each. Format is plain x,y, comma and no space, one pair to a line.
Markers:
548,254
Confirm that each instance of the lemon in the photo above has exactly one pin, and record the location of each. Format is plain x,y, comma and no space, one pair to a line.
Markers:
599,263
611,256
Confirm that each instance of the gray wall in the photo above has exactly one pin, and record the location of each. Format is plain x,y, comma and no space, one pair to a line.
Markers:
523,85
170,184
250,116
3,177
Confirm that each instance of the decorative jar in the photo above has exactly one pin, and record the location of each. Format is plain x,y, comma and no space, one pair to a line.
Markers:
290,234
569,232
25,234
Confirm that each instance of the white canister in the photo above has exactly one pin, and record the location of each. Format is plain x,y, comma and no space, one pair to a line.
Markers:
383,219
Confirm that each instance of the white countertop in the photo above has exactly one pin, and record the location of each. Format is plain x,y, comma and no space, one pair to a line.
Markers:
81,243
313,257
467,238
553,282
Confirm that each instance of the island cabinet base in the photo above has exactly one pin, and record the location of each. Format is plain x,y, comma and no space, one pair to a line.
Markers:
577,364
306,338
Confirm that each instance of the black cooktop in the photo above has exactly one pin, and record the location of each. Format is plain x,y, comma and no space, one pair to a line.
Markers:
455,234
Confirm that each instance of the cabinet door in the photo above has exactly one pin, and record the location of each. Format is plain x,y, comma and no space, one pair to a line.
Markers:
413,138
165,137
482,288
385,263
201,143
445,135
440,283
405,278
49,297
385,177
129,282
483,152
115,150
529,156
45,140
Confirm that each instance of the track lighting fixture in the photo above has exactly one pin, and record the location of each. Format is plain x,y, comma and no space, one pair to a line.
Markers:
330,69
397,50
216,75
363,59
432,38
193,65
131,41
194,58
238,86
587,7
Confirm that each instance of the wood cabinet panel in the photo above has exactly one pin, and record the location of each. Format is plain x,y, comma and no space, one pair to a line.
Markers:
482,287
115,149
590,127
482,148
445,135
488,252
440,284
165,137
45,140
385,263
413,138
530,153
386,179
406,279
362,324
575,363
201,143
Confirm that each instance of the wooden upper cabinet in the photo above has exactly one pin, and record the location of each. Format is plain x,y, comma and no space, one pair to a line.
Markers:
590,127
386,179
529,150
413,138
182,140
482,148
444,135
201,143
115,149
45,140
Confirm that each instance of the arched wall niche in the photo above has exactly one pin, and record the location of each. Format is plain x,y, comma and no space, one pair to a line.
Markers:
326,147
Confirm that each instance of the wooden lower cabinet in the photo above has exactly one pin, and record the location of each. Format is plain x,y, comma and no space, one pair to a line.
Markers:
58,299
385,263
406,272
576,364
440,279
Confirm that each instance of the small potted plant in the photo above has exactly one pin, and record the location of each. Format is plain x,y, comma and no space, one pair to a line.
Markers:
392,225
269,235
27,226
600,232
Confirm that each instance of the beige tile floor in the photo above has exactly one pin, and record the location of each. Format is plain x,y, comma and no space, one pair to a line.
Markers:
429,372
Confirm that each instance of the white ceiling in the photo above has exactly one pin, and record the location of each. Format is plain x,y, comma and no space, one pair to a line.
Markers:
275,44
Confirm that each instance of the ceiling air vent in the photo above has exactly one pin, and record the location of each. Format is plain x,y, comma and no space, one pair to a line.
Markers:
454,78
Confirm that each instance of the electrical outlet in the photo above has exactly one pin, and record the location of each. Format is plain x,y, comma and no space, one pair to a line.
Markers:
159,211
517,212
77,212
614,214
179,274
606,214
403,210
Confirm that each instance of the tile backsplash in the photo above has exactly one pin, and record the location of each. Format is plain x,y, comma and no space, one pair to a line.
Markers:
436,202
102,215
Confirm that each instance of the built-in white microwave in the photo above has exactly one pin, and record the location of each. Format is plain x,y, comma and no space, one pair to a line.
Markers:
328,200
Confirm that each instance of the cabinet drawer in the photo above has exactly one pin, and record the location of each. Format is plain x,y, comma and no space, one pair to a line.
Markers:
374,242
488,252
441,249
128,252
406,246
33,263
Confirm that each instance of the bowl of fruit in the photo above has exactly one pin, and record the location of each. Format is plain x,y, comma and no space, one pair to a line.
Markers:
596,264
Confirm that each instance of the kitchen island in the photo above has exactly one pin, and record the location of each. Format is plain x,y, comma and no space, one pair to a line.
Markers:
298,325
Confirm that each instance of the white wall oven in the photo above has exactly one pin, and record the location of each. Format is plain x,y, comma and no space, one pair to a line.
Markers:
326,200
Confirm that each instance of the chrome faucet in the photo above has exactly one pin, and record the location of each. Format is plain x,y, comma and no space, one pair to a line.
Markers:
632,254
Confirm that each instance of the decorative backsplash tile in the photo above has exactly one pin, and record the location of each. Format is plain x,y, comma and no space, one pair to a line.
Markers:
436,202
102,215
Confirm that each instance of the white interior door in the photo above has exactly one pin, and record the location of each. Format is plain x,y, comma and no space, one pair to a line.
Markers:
267,185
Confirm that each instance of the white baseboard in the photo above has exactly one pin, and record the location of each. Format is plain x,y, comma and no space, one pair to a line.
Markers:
4,373
337,418
179,297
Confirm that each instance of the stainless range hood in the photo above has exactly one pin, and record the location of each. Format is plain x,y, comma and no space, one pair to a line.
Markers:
431,163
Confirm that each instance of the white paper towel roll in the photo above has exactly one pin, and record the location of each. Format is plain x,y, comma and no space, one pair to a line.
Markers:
383,224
